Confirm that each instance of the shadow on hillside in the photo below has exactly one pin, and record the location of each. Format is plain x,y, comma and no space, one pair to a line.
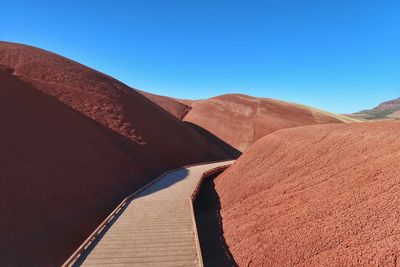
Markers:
207,208
222,145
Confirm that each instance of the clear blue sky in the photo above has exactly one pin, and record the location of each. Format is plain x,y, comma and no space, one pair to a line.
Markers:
339,55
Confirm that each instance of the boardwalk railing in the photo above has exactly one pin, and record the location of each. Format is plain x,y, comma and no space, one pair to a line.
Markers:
78,252
193,197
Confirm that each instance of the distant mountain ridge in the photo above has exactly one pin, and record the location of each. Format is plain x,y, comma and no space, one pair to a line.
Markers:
386,110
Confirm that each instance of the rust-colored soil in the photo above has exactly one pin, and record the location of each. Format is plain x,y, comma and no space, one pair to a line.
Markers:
109,102
173,106
325,195
180,108
73,143
241,120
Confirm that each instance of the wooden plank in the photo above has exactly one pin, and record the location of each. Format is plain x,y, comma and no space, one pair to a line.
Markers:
156,226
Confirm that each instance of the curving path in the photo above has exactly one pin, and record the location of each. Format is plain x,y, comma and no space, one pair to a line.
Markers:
156,228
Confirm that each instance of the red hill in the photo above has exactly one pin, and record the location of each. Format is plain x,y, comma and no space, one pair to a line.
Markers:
240,120
325,195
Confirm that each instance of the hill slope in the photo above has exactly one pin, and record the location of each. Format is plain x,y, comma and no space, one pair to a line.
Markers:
330,196
240,120
107,101
386,110
60,173
74,142
173,106
180,108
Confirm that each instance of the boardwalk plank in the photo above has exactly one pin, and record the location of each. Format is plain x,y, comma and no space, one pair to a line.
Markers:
155,229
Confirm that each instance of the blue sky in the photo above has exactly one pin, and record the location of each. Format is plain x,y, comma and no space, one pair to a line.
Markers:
341,56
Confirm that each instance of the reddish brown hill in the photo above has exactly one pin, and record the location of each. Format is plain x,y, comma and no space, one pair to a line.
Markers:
180,108
73,143
240,120
325,195
109,102
60,174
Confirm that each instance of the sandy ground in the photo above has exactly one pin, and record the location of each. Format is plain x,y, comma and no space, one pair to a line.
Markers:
325,195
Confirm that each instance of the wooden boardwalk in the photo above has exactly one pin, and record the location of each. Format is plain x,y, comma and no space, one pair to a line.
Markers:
156,228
